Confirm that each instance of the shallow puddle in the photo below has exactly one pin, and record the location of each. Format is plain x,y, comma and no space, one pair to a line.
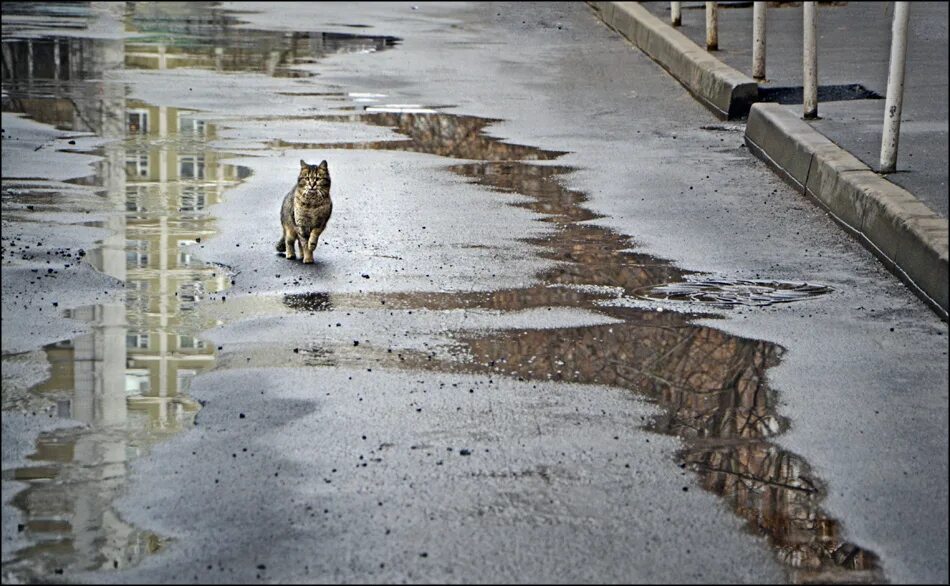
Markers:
160,35
711,385
127,380
726,293
199,35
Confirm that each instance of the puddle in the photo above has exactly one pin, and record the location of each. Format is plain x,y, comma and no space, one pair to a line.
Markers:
30,17
200,35
456,137
711,385
195,35
126,381
730,293
308,302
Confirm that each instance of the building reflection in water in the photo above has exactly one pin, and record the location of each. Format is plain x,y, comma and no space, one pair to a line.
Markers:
199,35
127,379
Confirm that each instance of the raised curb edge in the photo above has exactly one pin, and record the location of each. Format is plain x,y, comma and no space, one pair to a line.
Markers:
910,239
721,88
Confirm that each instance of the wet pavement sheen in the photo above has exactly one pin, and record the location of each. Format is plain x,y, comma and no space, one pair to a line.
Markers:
711,385
127,381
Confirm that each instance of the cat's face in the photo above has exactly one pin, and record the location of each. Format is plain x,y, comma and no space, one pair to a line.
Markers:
313,177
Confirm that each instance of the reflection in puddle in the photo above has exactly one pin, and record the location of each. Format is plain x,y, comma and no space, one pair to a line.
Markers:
457,137
729,293
196,35
127,380
712,385
199,35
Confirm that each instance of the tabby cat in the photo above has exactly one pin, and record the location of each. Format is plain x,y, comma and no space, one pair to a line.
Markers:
305,211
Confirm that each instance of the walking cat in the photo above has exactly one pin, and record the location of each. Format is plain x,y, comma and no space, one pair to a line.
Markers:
305,211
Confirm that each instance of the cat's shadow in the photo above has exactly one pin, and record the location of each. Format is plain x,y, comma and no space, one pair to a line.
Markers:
317,266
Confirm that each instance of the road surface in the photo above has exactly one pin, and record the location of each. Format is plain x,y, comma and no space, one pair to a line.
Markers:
562,326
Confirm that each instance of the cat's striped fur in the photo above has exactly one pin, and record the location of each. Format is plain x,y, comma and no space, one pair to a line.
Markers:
306,211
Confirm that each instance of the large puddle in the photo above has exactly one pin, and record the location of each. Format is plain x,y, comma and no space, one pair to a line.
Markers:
711,385
128,379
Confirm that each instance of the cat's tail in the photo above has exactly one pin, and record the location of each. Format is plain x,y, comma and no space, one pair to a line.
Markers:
281,245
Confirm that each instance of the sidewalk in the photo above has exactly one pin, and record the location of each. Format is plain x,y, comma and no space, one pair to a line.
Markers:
901,218
854,41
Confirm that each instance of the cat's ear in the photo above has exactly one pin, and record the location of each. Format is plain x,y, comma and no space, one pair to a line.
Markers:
303,164
323,167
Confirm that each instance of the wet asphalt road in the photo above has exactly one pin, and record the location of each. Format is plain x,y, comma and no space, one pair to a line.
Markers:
546,337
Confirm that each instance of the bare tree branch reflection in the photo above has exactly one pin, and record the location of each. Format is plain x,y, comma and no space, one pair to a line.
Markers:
711,385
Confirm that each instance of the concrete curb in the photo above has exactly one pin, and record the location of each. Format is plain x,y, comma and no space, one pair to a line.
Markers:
721,88
906,235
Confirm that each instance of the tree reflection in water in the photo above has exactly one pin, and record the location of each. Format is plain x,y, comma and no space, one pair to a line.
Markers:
711,385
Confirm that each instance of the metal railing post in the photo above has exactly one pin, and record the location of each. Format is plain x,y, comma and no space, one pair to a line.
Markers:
810,60
895,88
758,40
712,26
675,15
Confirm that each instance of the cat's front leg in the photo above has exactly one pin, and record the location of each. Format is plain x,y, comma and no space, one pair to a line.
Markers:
310,245
290,238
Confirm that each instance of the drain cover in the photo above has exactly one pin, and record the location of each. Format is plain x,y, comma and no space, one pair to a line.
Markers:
726,293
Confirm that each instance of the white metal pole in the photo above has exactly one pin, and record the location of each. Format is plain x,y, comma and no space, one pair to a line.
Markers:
895,88
758,40
712,26
810,59
675,15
